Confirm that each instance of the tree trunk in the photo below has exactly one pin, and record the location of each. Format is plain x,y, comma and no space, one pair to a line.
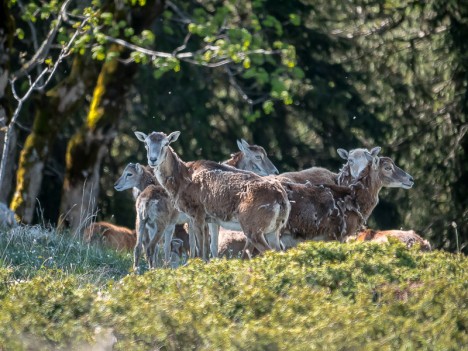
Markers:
7,30
87,148
53,108
89,145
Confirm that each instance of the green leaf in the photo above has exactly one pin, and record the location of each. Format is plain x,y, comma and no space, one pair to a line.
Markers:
107,17
246,63
295,19
128,32
20,33
268,107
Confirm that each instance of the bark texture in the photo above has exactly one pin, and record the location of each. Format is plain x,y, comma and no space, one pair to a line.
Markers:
88,147
7,30
54,106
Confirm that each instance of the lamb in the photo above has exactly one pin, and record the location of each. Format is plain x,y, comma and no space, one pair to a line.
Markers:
231,243
220,194
156,214
110,235
407,237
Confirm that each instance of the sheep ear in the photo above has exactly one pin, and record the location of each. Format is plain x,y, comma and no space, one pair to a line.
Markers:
375,151
138,168
369,156
342,153
376,163
246,144
243,146
173,136
141,136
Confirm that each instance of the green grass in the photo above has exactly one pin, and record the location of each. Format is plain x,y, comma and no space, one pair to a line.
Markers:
30,250
319,296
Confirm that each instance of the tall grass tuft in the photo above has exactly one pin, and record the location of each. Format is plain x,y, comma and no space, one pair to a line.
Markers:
30,249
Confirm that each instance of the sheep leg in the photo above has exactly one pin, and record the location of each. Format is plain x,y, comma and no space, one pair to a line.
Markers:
192,239
151,245
273,239
155,239
206,242
168,233
214,234
199,229
248,249
140,231
260,243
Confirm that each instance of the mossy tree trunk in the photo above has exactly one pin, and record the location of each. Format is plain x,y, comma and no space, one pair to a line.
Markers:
53,110
89,145
7,30
87,148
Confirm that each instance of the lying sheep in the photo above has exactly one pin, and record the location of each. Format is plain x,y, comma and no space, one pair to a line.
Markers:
110,235
407,237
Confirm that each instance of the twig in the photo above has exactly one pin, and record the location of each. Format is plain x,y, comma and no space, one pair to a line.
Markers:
45,47
33,85
184,18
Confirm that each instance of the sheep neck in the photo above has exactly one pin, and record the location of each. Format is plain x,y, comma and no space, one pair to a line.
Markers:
147,179
172,173
236,160
366,191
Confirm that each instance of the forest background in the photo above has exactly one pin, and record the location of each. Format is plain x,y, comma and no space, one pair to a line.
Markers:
301,78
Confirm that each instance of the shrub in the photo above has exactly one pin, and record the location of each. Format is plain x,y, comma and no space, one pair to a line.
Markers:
318,296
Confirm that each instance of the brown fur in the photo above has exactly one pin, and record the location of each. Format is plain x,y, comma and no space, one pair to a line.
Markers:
155,212
181,233
110,235
357,160
407,237
156,216
206,189
251,158
334,212
140,178
231,243
314,175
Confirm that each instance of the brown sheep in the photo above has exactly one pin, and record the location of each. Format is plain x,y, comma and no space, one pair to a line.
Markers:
252,158
335,212
407,237
357,160
110,235
221,194
231,243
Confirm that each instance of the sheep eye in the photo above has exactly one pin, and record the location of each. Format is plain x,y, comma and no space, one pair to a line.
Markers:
129,174
388,168
258,157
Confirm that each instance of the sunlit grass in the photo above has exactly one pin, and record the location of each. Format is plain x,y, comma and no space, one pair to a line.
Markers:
28,250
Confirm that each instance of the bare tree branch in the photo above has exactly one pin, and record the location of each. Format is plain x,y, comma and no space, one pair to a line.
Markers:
190,56
46,44
33,86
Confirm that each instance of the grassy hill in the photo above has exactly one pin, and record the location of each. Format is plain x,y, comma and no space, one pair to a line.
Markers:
56,293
